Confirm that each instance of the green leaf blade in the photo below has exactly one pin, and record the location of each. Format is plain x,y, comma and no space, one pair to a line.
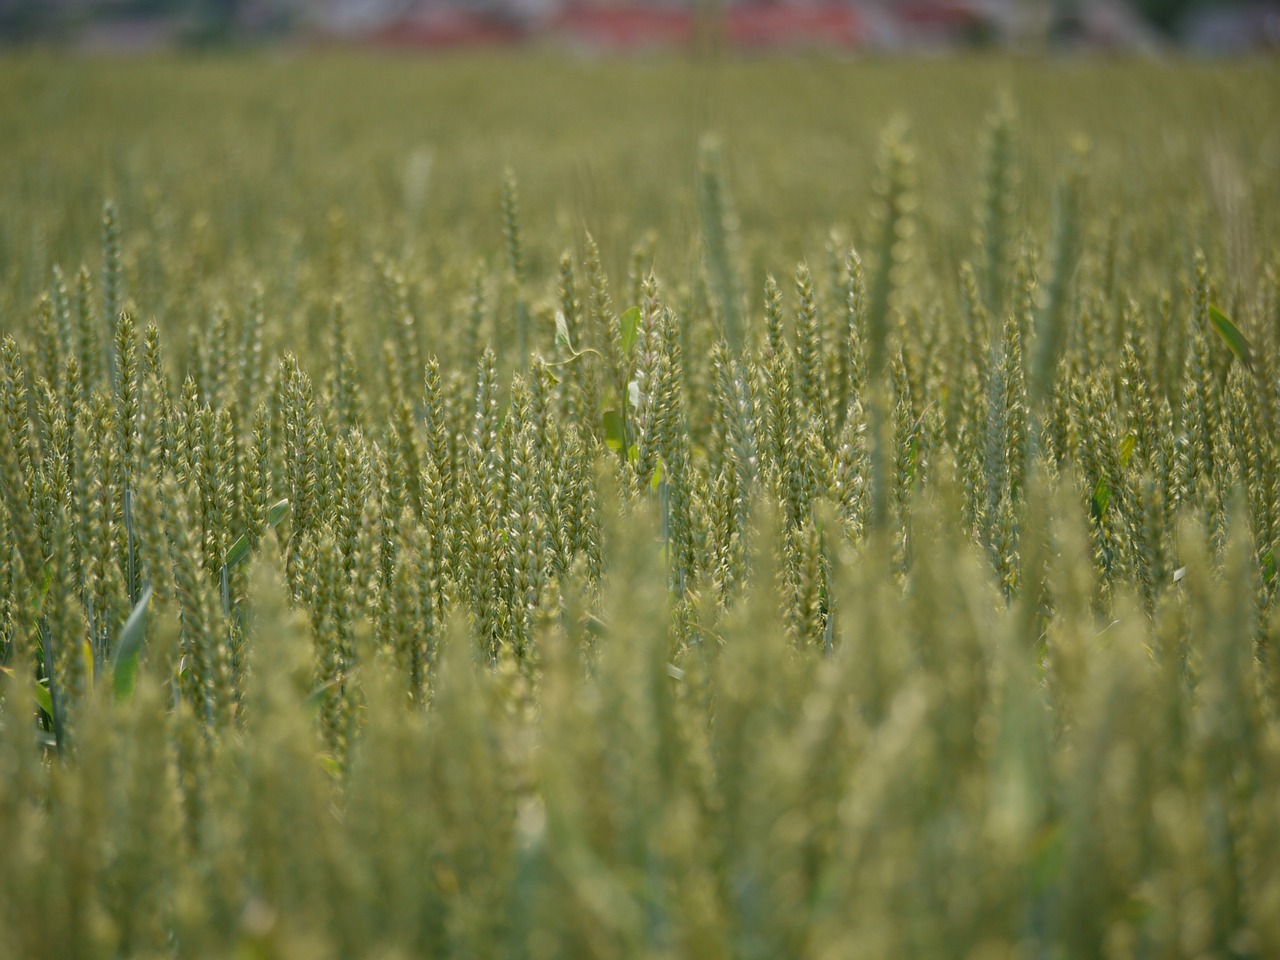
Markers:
237,552
614,429
277,513
629,327
43,698
124,658
1236,341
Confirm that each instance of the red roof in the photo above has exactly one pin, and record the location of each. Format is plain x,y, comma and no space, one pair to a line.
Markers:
625,28
449,28
755,25
771,25
940,12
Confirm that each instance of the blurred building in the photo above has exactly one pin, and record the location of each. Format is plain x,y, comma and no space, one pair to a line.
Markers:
635,25
855,25
1242,28
638,25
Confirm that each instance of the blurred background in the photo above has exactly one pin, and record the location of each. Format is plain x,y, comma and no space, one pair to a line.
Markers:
1215,27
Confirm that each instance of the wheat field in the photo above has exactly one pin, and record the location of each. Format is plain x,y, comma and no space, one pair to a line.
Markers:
514,507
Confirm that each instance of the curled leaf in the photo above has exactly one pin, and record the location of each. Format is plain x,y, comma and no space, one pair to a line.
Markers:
124,657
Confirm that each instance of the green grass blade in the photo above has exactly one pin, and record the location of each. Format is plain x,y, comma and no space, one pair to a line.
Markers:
277,513
629,325
1236,341
124,658
237,552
